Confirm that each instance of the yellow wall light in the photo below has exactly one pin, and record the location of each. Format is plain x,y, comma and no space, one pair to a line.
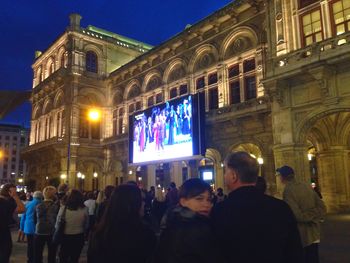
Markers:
94,115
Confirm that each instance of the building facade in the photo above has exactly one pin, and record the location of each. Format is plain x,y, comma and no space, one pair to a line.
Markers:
273,73
13,138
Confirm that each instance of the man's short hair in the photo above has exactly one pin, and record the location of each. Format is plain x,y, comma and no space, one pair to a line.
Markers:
246,167
49,192
286,172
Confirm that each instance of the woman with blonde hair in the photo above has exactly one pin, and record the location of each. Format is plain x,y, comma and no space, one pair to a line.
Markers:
46,213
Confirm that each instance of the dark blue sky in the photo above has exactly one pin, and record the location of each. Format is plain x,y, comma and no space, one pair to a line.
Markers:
26,26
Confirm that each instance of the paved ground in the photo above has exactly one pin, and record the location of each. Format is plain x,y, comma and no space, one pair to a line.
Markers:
334,247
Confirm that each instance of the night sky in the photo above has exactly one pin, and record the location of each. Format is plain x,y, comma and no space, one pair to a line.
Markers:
26,26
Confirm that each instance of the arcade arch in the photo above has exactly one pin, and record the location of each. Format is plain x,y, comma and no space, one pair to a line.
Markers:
327,136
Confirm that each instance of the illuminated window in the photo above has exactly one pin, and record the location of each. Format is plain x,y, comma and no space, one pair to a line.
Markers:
52,68
312,27
91,61
88,129
242,80
341,16
120,121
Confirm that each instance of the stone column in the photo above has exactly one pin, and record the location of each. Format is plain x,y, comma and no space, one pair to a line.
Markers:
333,173
176,173
193,169
219,175
268,171
294,156
151,176
222,86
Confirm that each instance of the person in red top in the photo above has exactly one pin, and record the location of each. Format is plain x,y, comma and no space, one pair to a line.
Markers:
9,203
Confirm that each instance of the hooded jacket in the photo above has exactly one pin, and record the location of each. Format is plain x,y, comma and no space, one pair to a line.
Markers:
186,237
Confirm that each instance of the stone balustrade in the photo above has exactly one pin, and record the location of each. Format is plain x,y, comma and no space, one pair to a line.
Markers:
317,52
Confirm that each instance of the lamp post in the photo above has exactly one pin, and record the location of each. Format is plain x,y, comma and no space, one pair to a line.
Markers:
93,115
95,181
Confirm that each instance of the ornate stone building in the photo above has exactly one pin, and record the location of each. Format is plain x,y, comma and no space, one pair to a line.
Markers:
274,75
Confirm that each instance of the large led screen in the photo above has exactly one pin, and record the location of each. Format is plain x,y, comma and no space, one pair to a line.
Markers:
166,131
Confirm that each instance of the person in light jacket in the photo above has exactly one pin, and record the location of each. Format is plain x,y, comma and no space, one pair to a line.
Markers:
46,213
29,222
77,220
308,208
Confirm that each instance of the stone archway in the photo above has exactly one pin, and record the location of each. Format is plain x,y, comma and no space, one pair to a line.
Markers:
329,135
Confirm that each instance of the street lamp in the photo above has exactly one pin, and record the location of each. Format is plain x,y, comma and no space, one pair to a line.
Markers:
93,116
95,181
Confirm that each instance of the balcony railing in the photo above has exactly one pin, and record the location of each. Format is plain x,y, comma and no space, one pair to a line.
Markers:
317,52
58,73
239,109
52,141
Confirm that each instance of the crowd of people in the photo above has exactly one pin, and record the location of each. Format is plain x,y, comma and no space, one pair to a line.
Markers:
187,225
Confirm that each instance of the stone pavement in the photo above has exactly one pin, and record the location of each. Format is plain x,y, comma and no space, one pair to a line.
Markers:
334,246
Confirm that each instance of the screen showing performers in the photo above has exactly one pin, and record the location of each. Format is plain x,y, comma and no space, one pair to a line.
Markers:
163,131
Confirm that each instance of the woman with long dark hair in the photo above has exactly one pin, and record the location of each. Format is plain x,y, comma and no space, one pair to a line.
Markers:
121,236
77,218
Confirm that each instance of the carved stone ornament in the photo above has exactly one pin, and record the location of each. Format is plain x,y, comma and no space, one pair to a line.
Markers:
134,91
205,61
176,74
153,84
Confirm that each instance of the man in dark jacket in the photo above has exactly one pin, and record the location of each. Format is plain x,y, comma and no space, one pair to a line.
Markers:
252,227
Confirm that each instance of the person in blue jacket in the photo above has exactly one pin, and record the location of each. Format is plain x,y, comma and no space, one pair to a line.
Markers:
29,222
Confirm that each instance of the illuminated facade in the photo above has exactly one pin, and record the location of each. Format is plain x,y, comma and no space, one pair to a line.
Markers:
274,75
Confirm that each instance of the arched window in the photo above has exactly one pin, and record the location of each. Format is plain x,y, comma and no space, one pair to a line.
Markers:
52,68
91,61
63,62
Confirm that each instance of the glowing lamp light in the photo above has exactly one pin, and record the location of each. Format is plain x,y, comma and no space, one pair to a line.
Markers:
95,175
94,115
309,156
260,160
79,175
83,176
130,172
140,178
20,180
47,178
63,176
1,154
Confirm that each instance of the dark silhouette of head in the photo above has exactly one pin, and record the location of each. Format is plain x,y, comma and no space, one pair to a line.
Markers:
122,212
74,200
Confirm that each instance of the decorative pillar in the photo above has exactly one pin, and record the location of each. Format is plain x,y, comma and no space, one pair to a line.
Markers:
176,173
222,85
219,175
151,176
268,171
193,165
333,173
